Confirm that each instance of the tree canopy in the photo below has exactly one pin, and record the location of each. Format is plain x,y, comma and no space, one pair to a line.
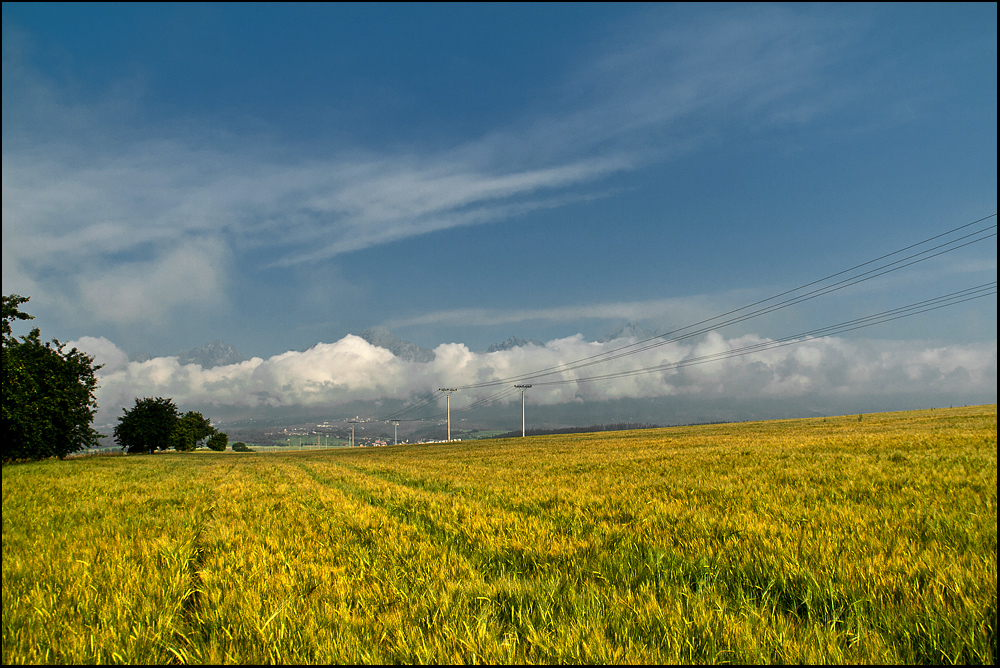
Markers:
191,430
154,423
148,426
48,393
218,441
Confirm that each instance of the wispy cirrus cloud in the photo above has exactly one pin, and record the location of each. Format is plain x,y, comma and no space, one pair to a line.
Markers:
98,211
377,203
685,310
135,213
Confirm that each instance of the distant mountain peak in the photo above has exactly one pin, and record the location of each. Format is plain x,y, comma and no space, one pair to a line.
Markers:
404,350
513,342
629,331
212,354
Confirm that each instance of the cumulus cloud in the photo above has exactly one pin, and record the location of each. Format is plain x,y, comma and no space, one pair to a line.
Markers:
105,353
350,370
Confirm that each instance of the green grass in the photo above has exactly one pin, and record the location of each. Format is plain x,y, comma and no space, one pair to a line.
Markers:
821,541
483,433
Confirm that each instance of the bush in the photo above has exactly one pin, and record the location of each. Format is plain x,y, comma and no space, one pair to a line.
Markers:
240,446
218,441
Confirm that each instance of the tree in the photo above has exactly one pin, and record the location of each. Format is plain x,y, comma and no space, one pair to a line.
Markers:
192,428
218,441
48,393
240,446
149,426
12,312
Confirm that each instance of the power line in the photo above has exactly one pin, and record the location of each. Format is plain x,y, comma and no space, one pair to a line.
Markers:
409,410
916,308
723,319
782,305
478,403
704,326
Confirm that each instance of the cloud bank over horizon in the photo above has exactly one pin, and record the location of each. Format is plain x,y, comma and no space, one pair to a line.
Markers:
351,370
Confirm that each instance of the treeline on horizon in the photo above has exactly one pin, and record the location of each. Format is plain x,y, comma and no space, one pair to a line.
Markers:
615,426
49,403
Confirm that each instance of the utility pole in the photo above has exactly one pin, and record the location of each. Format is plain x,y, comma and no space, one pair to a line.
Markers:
352,422
448,391
395,432
522,388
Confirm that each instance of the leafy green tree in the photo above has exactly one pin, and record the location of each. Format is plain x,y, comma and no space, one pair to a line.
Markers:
192,428
48,393
218,441
12,312
240,446
149,426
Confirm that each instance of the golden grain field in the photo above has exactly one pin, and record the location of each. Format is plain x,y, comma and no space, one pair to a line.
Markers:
857,539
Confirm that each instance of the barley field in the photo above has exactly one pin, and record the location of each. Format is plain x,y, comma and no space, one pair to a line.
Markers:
856,539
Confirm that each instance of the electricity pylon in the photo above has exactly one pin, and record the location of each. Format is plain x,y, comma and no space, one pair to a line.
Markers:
522,388
448,391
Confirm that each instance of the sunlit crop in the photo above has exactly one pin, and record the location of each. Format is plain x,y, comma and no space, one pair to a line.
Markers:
859,539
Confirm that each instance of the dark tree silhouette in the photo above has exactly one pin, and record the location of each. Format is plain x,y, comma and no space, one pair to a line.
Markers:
149,426
48,393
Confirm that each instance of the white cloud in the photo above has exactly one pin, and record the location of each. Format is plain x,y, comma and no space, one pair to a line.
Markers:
143,210
192,274
350,370
688,309
104,352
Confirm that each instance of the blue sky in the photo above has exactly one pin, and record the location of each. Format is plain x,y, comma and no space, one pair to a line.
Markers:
279,176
